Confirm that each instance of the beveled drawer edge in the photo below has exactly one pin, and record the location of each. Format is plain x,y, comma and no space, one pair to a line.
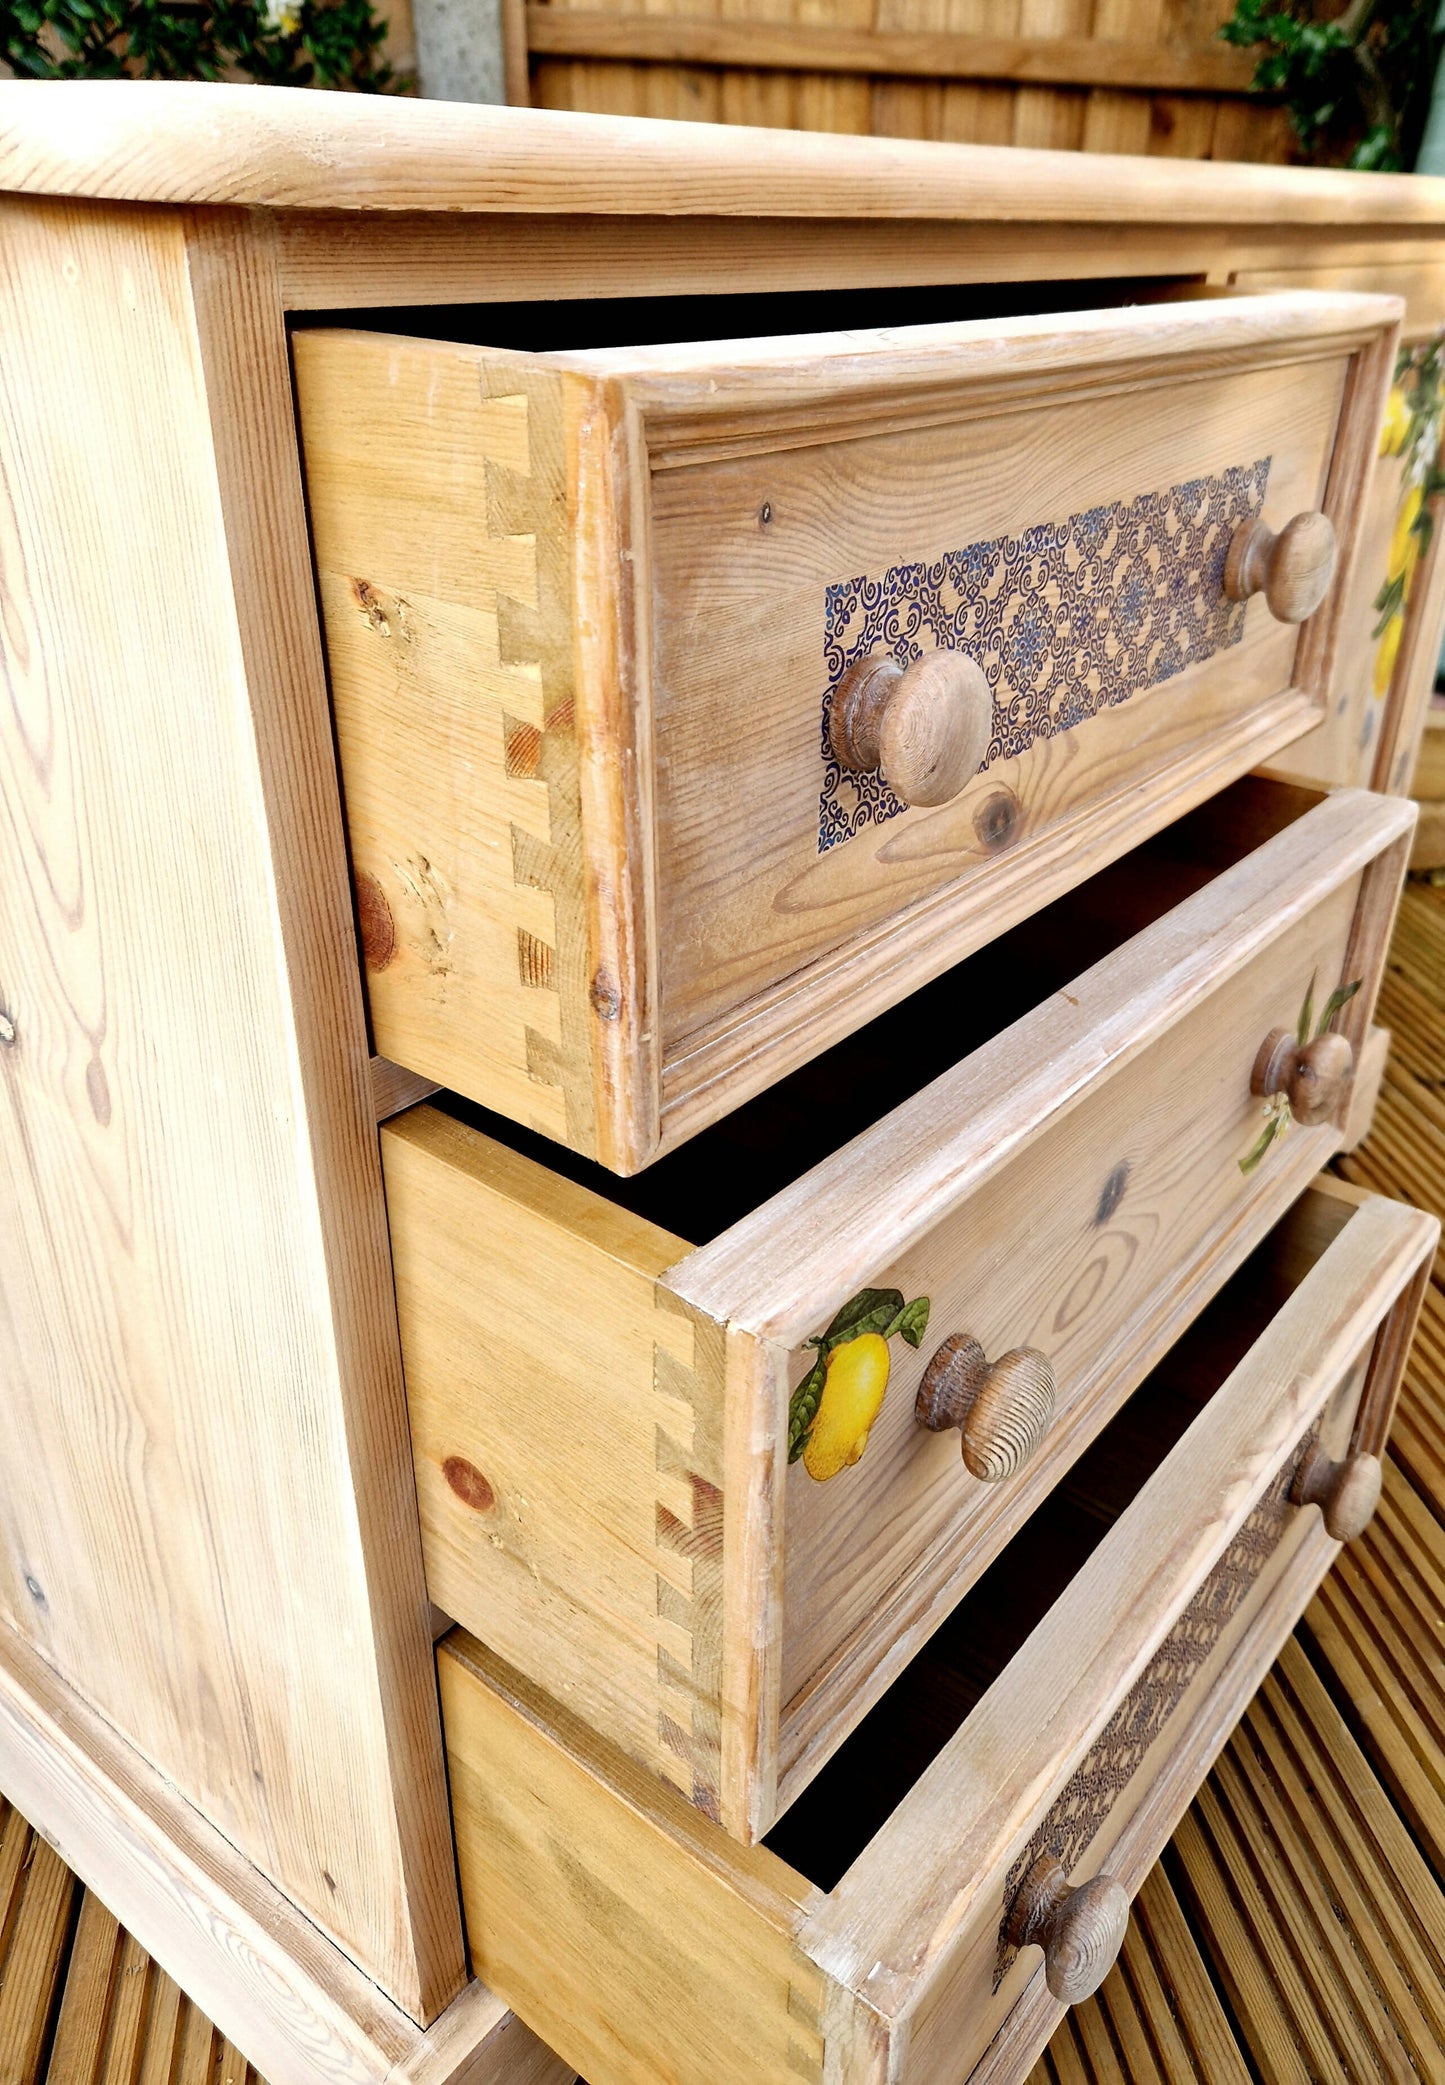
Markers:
778,1275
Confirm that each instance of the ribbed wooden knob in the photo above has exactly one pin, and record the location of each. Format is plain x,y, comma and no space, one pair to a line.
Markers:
1080,1930
926,726
1315,1077
1347,1492
1292,570
1002,1408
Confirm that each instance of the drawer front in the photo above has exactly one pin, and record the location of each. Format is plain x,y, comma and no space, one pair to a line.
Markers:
692,1959
1090,1743
624,846
1091,1249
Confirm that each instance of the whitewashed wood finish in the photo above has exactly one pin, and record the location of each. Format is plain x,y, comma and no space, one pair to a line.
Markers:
210,1531
641,1547
192,143
889,1976
575,618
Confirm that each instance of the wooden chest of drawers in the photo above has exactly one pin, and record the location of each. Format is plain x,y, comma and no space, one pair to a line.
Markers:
795,795
644,810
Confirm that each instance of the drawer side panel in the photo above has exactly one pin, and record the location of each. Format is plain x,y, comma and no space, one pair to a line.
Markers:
604,1924
569,1461
437,482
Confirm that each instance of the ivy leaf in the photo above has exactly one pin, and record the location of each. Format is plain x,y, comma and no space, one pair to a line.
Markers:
1306,1014
911,1322
871,1310
1341,996
803,1407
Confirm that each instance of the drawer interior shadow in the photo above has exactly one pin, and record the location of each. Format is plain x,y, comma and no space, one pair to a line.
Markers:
728,1170
851,1798
575,325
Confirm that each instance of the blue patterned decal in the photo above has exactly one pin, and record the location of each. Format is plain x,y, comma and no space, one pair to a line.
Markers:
1067,619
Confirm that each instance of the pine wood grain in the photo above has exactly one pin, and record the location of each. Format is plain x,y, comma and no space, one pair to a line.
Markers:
196,1311
262,1971
276,151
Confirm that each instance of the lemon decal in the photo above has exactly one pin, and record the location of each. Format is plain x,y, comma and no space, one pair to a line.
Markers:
834,1407
1395,432
1413,417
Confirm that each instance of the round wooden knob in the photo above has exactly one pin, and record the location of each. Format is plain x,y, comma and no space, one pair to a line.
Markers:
1347,1492
1002,1408
1315,1077
1080,1930
1292,570
926,726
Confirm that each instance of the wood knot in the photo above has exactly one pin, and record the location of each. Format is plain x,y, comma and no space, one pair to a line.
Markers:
995,822
374,922
470,1486
606,999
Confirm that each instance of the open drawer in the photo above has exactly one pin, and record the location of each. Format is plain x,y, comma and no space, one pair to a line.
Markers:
1049,1737
642,1480
694,704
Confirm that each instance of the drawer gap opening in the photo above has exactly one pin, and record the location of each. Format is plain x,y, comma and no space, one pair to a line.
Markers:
575,325
727,1170
852,1796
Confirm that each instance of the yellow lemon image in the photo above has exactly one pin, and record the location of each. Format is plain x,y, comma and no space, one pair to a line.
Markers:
1404,543
852,1396
1396,431
1387,651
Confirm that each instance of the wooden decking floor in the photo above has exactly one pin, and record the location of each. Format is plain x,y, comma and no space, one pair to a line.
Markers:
1294,1932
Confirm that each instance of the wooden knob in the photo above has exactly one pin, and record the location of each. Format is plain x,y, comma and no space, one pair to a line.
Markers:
1080,1930
1292,570
925,726
1315,1077
1347,1492
1002,1408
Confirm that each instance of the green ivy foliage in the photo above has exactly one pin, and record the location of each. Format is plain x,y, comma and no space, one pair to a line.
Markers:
1356,82
289,43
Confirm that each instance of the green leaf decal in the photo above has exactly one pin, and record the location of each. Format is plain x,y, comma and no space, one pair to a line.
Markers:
869,1311
1272,1128
911,1322
803,1407
1306,1014
1341,996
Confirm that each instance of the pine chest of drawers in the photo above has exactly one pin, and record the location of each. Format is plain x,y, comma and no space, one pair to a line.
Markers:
879,1381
